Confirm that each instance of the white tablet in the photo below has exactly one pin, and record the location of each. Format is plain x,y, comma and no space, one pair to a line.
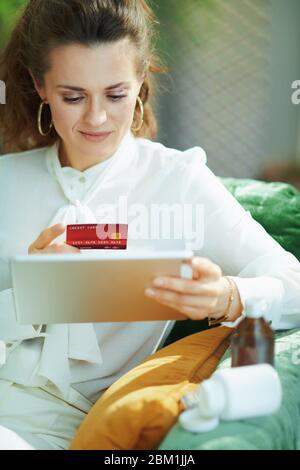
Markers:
101,287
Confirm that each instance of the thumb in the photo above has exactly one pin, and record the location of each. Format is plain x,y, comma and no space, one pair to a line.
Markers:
205,270
48,235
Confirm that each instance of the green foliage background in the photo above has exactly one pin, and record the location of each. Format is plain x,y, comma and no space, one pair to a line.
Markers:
9,10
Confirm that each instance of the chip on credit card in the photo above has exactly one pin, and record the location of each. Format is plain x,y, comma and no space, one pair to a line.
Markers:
97,236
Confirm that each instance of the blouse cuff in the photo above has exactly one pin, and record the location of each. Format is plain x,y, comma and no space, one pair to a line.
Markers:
265,288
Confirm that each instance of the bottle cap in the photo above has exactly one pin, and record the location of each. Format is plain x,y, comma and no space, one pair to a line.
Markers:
255,308
192,421
211,397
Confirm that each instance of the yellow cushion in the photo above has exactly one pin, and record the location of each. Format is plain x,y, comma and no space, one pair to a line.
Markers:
138,410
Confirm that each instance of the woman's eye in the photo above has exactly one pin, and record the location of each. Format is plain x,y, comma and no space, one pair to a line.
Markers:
116,97
73,100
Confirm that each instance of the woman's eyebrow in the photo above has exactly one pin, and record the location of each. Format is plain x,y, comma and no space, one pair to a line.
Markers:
76,88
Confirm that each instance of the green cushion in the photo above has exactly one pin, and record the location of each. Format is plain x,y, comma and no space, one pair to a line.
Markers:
276,432
276,206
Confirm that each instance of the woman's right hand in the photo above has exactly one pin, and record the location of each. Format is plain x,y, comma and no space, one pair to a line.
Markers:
42,243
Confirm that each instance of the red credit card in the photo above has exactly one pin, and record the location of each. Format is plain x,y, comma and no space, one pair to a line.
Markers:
97,236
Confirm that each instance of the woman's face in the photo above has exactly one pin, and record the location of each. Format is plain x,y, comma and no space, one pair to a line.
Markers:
104,99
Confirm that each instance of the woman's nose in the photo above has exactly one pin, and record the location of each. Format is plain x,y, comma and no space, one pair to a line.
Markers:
95,117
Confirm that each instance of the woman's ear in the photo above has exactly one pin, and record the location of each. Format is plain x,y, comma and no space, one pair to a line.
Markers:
37,85
141,82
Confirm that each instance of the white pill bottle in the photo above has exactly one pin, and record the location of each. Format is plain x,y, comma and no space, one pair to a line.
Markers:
232,394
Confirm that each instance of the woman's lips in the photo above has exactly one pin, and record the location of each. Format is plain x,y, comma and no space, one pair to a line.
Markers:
95,136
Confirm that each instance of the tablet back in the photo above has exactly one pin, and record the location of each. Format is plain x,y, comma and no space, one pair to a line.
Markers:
106,287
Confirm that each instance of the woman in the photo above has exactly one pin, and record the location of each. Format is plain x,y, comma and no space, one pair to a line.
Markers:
77,129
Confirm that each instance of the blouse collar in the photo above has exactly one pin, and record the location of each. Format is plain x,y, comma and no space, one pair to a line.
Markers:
117,165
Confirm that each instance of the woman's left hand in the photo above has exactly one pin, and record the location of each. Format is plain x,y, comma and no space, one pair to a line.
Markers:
206,295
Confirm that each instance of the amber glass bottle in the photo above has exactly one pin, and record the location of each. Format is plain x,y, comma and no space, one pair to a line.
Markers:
253,339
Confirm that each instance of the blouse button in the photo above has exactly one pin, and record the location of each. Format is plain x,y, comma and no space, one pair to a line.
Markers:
82,179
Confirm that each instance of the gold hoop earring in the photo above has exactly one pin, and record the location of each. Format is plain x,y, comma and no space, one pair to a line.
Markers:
136,129
39,121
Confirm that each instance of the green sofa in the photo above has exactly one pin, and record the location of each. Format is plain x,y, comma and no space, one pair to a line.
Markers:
276,206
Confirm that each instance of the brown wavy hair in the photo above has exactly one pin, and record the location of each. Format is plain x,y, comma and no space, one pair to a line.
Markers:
46,24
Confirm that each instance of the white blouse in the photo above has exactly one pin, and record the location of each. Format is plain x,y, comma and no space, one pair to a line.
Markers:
36,192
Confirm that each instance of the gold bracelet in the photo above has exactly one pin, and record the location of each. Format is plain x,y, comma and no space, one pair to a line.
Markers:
225,317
